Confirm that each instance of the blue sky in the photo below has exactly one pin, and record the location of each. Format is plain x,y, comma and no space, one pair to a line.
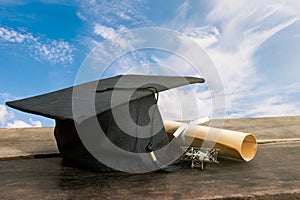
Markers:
254,45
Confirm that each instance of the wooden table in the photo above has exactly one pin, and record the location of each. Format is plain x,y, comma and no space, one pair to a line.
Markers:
30,168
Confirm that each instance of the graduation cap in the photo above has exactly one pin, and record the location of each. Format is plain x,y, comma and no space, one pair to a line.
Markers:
125,107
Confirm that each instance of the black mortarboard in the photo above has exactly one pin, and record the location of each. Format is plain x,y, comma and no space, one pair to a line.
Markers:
111,98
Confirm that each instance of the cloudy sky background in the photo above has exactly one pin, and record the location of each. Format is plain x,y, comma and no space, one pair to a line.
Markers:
254,45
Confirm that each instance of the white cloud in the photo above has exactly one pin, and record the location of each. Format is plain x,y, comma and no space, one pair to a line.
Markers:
6,96
245,27
253,39
18,124
205,36
8,120
5,115
80,16
291,89
108,16
185,104
35,123
242,19
104,31
41,49
124,16
269,106
232,34
235,32
247,11
111,34
54,51
114,12
21,124
11,35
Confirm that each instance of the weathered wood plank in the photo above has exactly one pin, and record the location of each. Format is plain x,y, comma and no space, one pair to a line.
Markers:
35,141
20,142
274,173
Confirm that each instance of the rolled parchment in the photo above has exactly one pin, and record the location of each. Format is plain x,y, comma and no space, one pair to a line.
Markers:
230,143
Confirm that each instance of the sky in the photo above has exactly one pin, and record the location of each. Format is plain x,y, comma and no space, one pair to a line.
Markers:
253,44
